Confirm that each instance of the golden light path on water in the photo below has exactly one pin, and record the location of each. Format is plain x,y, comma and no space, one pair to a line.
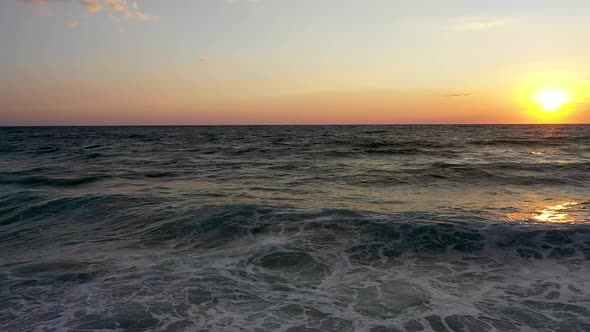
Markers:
557,214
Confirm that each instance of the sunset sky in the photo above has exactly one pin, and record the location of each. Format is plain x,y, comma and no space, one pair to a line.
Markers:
65,62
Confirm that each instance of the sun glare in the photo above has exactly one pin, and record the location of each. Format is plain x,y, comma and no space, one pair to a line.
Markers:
551,100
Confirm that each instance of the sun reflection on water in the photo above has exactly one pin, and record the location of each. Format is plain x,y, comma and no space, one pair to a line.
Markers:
555,213
558,214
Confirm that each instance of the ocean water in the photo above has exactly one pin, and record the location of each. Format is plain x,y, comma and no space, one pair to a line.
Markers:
301,228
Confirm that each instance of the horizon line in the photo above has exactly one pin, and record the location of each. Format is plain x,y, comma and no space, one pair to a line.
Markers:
291,125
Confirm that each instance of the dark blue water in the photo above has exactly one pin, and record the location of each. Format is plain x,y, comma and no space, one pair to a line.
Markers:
327,228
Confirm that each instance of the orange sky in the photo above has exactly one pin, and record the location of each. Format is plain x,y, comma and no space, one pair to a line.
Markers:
274,62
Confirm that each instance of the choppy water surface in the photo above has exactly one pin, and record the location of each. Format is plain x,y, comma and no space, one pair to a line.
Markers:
347,228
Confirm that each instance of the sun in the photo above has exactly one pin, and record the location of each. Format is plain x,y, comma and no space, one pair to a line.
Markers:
552,99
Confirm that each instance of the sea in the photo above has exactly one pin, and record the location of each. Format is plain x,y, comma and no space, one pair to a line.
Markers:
295,228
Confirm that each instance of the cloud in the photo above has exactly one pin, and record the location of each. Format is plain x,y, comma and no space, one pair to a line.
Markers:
117,5
472,24
72,24
92,5
137,15
204,58
129,8
459,95
89,5
41,2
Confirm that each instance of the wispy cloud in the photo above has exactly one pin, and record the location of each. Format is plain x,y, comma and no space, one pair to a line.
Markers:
72,24
137,15
92,5
459,95
118,5
128,8
475,23
41,2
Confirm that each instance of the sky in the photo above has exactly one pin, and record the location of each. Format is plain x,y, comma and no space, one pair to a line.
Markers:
125,62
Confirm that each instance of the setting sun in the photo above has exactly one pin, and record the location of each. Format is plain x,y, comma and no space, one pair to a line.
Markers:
553,99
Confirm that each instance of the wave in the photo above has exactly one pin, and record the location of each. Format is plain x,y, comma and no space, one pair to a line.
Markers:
269,268
44,181
540,141
365,235
505,173
389,235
